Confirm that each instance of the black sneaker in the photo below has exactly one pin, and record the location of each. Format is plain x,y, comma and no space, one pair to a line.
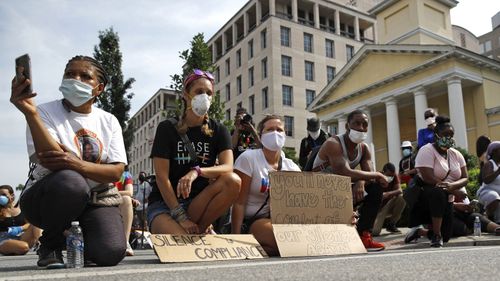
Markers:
392,228
50,259
413,235
437,241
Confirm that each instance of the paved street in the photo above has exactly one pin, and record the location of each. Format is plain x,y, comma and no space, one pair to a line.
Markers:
459,259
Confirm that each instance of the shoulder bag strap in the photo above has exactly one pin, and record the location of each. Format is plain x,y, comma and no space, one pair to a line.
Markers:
187,143
280,165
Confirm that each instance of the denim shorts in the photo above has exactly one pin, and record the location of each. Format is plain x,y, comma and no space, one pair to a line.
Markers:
159,207
4,237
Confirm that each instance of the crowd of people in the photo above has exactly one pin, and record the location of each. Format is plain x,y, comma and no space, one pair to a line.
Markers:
203,172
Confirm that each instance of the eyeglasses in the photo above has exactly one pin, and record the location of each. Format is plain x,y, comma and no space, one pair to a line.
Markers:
206,74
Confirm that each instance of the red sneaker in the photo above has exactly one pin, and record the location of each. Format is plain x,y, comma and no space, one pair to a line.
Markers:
370,245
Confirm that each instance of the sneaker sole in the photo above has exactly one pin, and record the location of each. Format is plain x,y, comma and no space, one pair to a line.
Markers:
55,266
375,249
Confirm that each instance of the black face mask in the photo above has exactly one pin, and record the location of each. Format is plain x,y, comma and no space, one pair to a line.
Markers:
142,177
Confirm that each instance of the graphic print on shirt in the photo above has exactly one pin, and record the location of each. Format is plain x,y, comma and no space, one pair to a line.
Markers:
90,145
264,185
202,151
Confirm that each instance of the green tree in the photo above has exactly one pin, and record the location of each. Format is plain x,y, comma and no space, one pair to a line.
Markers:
197,57
20,186
115,99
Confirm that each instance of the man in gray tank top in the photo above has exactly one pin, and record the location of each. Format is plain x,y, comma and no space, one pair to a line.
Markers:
341,155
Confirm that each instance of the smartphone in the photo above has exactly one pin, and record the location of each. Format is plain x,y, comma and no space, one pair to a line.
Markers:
25,62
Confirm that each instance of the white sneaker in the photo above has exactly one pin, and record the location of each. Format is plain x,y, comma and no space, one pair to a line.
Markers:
129,252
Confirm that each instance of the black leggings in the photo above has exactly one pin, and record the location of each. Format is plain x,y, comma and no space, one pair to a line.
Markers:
61,197
433,203
370,207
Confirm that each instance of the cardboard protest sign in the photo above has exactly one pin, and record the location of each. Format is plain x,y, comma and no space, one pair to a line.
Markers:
297,240
193,248
310,198
312,213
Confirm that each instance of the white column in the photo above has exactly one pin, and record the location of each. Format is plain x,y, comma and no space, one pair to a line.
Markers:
357,36
272,7
316,14
214,51
337,22
393,135
224,42
295,13
420,100
457,114
258,13
369,139
341,125
246,24
235,33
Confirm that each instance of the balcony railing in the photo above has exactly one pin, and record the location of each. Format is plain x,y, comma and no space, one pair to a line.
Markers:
284,15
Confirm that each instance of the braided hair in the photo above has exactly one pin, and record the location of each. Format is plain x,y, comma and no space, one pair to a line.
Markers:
182,126
102,76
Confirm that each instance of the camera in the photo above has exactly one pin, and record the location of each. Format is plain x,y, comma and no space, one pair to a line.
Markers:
247,118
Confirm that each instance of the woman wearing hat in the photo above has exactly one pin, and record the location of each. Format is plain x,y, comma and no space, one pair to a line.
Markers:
407,163
489,193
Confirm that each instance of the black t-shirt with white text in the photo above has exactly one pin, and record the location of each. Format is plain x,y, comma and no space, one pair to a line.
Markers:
169,145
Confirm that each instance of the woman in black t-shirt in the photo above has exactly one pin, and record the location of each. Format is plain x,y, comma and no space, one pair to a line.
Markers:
190,195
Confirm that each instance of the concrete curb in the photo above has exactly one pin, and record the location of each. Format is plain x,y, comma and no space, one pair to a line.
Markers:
396,241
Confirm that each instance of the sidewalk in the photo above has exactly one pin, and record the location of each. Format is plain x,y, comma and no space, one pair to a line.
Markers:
396,241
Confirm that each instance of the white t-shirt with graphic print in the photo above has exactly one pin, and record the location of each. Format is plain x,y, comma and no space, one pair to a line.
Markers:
95,137
254,164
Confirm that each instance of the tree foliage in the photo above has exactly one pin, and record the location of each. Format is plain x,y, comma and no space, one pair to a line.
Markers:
115,99
197,57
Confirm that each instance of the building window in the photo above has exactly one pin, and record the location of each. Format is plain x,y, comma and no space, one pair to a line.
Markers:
238,58
287,95
329,48
228,67
265,101
250,49
330,73
310,95
349,50
228,114
309,70
217,74
250,77
251,104
238,85
286,65
264,68
263,39
289,126
487,46
228,92
285,36
308,42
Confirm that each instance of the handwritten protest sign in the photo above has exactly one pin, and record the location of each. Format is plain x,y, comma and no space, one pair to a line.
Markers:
193,248
312,213
310,198
295,240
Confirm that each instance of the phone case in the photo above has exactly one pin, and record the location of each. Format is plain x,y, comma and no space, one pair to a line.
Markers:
25,62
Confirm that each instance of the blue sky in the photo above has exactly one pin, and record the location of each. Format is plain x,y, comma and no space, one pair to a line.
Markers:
151,35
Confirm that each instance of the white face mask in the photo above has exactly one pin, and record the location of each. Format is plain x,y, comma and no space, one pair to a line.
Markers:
273,141
430,121
389,178
76,92
200,104
314,135
357,136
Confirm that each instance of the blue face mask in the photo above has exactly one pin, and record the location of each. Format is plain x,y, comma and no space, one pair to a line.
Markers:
406,152
76,92
4,200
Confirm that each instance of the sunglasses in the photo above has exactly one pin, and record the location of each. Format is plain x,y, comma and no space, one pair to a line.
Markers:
206,74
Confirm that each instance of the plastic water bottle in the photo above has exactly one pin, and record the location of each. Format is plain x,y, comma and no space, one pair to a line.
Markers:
477,227
74,246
